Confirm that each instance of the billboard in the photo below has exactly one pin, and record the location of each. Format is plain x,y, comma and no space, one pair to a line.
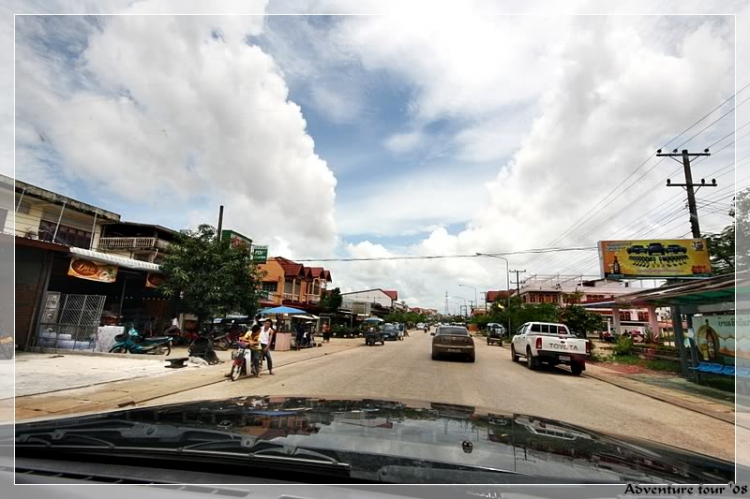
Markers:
716,336
654,259
236,239
92,271
260,254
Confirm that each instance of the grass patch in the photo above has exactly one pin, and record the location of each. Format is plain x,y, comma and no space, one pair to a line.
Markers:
724,384
654,365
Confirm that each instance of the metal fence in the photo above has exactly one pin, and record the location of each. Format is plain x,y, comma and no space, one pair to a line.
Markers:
70,321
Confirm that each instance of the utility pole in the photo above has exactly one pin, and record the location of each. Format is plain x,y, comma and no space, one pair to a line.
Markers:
221,222
689,185
696,230
447,308
518,281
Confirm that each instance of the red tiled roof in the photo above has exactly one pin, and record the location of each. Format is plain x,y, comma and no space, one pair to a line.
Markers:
317,271
392,293
291,268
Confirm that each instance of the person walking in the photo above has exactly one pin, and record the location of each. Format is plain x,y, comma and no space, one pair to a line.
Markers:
300,330
266,336
326,333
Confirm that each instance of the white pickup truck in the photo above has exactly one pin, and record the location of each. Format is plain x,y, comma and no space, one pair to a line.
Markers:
551,343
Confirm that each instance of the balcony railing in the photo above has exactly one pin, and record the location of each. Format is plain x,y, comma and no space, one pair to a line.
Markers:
131,243
291,296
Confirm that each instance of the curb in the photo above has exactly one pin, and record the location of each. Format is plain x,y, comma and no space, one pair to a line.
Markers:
721,416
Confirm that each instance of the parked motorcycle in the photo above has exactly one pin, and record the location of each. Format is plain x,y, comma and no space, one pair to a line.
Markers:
132,342
239,363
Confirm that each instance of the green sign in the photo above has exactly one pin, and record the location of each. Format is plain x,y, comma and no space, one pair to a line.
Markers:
260,254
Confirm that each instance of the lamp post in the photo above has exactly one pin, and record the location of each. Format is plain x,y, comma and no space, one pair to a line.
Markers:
507,282
462,298
476,301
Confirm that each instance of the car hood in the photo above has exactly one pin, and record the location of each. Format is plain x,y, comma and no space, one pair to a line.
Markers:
431,433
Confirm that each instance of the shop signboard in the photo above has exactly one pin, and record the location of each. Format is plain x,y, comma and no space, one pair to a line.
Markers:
260,254
716,339
92,271
654,259
154,280
236,239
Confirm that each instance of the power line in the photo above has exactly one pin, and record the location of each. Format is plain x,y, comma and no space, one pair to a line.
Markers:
581,220
439,257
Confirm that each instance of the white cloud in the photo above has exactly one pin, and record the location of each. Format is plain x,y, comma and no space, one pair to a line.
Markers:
400,143
175,114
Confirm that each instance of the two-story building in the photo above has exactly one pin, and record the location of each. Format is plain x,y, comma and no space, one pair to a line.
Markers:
144,242
66,285
285,282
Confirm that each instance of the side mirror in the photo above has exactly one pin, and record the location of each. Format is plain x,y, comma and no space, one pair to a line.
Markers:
432,334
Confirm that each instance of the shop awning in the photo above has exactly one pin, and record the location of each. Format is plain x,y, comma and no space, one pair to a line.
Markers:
703,291
120,261
307,317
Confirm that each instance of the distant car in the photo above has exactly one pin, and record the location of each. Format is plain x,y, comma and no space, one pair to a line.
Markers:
453,340
637,250
656,248
392,332
675,248
421,326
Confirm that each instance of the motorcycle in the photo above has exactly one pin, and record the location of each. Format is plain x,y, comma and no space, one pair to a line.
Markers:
132,342
239,363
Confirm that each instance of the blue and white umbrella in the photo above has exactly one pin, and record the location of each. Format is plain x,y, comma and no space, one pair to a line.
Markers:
281,310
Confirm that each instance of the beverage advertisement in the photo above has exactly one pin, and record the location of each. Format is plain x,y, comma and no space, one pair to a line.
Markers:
154,280
92,271
715,336
654,259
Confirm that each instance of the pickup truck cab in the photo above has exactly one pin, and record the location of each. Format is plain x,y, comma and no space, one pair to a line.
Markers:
551,343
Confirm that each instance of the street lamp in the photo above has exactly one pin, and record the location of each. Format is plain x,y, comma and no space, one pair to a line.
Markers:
461,297
507,282
476,301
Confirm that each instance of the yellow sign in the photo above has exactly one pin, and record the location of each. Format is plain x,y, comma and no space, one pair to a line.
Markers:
649,259
93,271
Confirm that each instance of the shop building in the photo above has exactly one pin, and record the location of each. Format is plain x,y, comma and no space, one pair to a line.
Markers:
66,284
285,282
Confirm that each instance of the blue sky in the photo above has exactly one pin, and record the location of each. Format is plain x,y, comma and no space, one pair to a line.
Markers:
412,136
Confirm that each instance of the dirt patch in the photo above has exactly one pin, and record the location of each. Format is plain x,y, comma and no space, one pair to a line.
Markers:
627,368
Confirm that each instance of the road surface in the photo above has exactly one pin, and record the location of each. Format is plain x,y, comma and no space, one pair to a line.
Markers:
404,370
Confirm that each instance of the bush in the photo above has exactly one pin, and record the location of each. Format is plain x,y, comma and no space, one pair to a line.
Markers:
624,346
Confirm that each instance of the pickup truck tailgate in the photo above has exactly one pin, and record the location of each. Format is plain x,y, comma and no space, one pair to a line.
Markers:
564,345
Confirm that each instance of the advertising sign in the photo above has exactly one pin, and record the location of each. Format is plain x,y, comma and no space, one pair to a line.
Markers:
154,280
260,254
236,239
92,271
654,259
715,336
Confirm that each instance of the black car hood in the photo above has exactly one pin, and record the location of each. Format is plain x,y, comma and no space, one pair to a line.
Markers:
432,433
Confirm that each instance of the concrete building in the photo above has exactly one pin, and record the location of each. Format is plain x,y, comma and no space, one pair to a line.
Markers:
593,293
377,296
286,282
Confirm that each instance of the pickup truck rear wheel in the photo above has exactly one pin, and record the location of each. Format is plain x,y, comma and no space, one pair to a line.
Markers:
576,368
513,354
531,361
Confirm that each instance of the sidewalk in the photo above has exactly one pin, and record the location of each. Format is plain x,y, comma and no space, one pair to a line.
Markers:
130,392
681,393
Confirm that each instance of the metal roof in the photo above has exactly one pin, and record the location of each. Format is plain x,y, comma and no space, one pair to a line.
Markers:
717,289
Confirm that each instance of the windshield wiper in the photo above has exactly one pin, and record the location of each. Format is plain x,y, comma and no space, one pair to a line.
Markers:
123,435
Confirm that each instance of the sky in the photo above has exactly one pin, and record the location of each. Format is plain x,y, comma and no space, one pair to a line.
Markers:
411,132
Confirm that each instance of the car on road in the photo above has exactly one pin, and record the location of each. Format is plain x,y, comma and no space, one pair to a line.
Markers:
454,341
421,326
550,343
392,332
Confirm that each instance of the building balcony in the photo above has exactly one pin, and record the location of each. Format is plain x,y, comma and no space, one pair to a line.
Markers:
291,297
131,243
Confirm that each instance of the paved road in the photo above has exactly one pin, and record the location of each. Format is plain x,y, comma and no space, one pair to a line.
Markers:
405,370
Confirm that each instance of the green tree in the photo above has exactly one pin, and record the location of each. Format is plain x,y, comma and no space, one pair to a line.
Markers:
580,321
721,247
331,300
212,277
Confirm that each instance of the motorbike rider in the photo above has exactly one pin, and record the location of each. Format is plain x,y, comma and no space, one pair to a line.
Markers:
253,351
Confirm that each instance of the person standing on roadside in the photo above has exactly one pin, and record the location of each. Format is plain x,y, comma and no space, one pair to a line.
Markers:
266,336
300,330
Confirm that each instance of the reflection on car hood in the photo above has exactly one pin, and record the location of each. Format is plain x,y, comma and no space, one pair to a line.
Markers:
433,432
